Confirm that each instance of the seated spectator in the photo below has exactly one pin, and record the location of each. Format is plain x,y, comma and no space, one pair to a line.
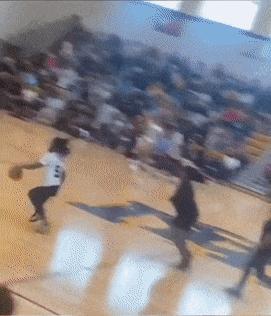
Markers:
231,165
28,75
179,92
132,102
66,78
146,142
52,63
115,58
218,139
199,116
30,94
131,134
39,62
232,116
109,121
167,151
104,115
80,89
66,51
11,84
90,61
10,91
8,65
53,107
102,91
29,103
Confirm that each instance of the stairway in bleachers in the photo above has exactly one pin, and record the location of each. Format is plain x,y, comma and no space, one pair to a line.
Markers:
252,178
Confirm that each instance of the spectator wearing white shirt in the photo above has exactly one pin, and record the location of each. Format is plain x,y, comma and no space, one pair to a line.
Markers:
109,121
146,143
54,105
66,78
66,50
168,149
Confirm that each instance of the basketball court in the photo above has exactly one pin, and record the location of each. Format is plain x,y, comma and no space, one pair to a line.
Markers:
108,251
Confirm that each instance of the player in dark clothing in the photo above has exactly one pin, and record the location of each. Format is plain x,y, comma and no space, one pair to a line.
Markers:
187,212
258,260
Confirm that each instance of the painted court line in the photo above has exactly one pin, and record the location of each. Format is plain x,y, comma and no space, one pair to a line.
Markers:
34,302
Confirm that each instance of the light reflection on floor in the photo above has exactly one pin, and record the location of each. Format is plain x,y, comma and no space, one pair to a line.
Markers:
77,254
200,298
132,283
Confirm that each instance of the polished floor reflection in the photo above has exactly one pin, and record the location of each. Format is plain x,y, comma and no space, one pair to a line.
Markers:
109,251
132,283
78,255
200,298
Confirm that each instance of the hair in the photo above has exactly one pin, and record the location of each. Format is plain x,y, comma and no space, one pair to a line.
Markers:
6,301
60,146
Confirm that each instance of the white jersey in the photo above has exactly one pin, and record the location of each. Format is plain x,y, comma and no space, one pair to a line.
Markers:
54,164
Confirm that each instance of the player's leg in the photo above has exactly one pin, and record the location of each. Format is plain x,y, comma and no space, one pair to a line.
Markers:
245,275
38,196
184,251
34,196
263,258
179,237
252,263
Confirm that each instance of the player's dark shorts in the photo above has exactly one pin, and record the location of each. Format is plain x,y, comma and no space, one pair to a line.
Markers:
40,195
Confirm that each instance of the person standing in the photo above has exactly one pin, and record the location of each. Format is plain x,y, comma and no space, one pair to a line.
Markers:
258,261
187,212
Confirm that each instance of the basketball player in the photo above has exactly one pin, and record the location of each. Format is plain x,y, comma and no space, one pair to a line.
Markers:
258,261
54,162
187,212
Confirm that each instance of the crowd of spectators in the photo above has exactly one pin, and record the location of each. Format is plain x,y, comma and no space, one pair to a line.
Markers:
150,106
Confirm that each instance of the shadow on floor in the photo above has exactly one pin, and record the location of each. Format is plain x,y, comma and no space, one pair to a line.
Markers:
116,214
204,235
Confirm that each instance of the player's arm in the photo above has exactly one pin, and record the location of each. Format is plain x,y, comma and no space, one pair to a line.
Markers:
63,177
30,166
44,161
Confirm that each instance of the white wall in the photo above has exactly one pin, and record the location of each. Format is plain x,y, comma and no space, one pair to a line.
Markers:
212,43
16,16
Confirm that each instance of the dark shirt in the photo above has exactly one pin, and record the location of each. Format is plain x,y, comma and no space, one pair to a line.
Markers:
265,240
185,205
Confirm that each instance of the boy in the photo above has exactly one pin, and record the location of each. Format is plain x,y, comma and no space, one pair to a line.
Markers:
54,162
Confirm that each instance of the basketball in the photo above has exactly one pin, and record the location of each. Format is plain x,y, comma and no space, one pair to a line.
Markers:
15,173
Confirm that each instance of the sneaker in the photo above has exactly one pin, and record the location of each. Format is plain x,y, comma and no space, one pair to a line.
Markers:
42,227
34,218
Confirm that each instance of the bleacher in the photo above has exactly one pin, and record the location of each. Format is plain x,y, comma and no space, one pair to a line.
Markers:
252,177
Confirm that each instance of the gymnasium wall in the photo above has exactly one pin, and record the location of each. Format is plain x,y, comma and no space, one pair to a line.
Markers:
203,40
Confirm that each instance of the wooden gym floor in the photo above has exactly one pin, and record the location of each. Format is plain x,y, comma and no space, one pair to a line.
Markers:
108,252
